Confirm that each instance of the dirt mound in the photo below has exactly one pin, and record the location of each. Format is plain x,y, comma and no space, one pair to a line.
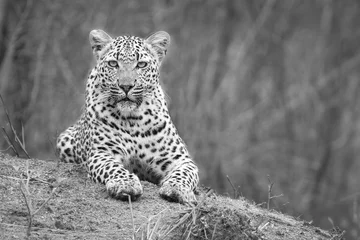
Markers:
66,205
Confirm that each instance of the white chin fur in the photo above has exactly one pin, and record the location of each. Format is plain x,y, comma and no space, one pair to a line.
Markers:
126,107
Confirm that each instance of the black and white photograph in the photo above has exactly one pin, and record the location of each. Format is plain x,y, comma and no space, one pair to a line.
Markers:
180,119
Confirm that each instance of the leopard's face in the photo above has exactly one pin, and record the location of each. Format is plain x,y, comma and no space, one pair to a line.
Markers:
127,71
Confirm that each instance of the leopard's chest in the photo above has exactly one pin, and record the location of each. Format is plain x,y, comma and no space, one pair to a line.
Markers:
130,139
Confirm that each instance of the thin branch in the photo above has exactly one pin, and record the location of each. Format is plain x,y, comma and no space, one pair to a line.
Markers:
6,111
23,134
27,198
213,233
270,186
22,144
6,149
31,179
27,176
13,178
11,145
233,187
46,201
132,217
29,208
263,225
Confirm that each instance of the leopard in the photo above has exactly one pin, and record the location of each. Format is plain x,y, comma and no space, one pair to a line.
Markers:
125,133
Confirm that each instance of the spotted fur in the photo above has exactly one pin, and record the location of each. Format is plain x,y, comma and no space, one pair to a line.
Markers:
125,133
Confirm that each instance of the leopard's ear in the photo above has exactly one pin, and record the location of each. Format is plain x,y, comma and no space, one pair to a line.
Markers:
98,41
159,41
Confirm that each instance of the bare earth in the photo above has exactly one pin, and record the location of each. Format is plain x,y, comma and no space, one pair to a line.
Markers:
81,209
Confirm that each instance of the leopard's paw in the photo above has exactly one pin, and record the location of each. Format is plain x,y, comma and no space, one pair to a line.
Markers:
174,192
122,188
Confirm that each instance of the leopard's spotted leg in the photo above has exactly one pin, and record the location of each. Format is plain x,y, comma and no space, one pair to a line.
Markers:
180,183
65,146
119,182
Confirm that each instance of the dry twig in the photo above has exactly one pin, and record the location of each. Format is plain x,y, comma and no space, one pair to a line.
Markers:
236,192
132,216
25,191
9,142
270,186
17,139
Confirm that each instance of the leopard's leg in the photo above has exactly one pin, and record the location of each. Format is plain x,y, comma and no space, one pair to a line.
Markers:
119,182
66,145
180,183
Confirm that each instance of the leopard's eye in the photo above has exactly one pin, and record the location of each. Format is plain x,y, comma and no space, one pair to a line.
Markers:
141,64
112,63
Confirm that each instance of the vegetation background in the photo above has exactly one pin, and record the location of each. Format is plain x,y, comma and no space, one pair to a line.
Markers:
258,89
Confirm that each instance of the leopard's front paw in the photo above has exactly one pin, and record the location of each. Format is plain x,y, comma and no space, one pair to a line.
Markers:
122,188
174,192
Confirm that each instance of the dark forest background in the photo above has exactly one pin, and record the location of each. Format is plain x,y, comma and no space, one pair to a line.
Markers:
258,89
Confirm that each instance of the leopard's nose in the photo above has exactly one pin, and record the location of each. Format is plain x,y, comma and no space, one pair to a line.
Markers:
126,88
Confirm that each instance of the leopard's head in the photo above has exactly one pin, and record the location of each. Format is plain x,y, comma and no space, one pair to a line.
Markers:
127,68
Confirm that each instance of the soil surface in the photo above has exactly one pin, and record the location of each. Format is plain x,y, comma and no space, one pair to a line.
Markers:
77,208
